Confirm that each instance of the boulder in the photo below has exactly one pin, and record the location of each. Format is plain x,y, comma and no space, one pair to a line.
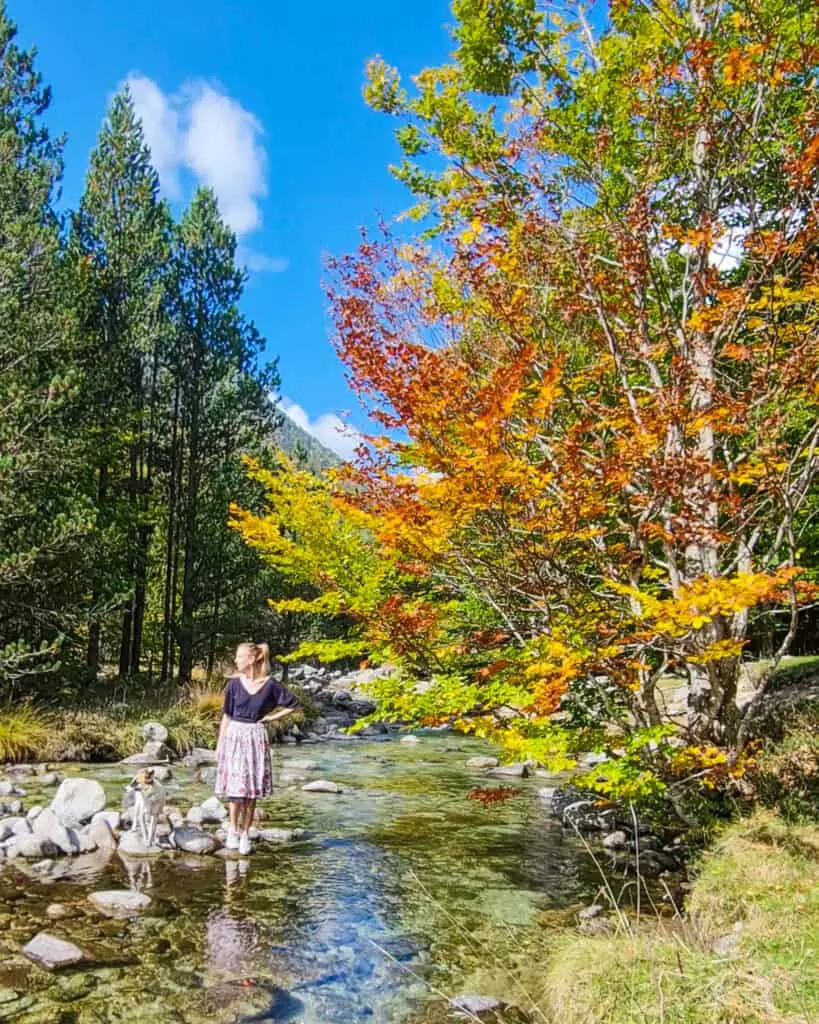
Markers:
13,827
50,952
6,787
321,786
120,902
47,826
99,834
32,812
207,775
162,773
77,801
50,779
193,840
154,731
482,762
195,816
57,911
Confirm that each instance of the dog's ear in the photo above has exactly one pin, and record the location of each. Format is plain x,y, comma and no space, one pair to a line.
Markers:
149,774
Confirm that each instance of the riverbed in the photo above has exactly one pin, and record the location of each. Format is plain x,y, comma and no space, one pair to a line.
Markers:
404,893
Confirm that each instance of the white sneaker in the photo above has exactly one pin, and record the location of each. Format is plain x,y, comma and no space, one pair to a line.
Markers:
232,841
244,844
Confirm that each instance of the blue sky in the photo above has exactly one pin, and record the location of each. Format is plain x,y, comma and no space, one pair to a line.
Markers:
263,101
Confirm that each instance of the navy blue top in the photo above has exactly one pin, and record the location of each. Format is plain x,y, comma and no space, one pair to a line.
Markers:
243,706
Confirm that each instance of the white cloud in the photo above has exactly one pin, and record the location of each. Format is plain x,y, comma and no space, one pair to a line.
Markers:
328,428
161,125
259,263
202,130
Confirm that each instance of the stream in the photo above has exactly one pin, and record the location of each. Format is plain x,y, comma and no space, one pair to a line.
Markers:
405,892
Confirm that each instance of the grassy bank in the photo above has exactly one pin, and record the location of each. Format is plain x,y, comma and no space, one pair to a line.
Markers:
108,730
747,953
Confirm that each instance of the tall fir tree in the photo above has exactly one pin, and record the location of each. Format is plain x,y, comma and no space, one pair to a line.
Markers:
120,244
221,408
43,518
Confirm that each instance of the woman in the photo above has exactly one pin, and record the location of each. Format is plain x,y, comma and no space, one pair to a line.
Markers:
243,753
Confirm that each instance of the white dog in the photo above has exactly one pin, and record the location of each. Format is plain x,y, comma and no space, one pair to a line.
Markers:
148,803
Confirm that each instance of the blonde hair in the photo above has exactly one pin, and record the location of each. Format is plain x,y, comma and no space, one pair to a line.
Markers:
261,657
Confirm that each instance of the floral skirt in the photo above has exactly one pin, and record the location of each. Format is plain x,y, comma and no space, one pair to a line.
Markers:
243,762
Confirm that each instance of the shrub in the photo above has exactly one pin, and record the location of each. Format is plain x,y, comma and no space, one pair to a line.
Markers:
786,776
23,732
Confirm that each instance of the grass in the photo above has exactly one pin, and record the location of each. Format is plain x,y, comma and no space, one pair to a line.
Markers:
107,732
757,892
23,732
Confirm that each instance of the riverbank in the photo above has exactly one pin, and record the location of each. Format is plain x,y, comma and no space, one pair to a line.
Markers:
746,952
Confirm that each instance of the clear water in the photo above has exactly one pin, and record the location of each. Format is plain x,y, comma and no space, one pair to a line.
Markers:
406,893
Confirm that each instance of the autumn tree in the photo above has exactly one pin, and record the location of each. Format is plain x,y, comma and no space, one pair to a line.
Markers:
598,364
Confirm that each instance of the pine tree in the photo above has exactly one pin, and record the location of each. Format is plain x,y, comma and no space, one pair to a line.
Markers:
221,409
43,519
120,244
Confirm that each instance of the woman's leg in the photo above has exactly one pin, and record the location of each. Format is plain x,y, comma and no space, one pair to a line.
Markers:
250,810
235,807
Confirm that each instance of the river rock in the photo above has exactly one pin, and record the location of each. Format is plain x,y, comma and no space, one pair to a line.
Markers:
99,835
321,786
6,787
587,913
47,826
57,911
163,773
195,816
519,770
77,801
281,835
14,826
546,794
32,812
111,819
198,757
193,840
476,1005
120,902
50,952
615,840
213,810
142,760
31,847
50,779
207,775
482,762
131,844
154,731
297,765
158,750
